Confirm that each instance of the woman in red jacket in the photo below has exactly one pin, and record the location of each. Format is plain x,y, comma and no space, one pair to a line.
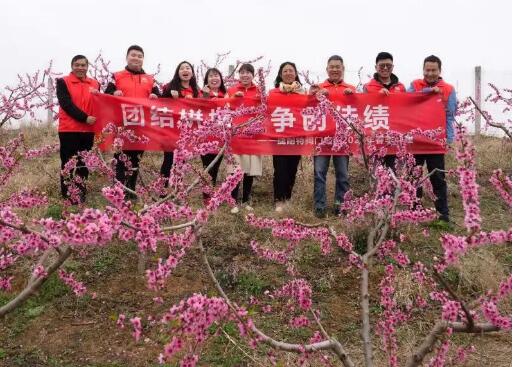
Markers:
250,164
183,85
213,87
285,166
75,118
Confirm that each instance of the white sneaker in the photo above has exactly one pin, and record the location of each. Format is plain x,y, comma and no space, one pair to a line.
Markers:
279,207
234,210
248,208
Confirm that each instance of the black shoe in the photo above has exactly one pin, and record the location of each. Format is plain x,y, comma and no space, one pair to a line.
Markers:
444,218
130,195
320,213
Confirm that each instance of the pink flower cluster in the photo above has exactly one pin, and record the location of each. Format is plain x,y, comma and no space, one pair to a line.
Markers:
470,198
6,260
78,287
288,229
193,318
40,272
502,184
223,194
137,326
281,257
299,290
491,313
441,355
456,246
41,152
413,216
299,322
26,199
389,248
90,227
156,278
392,316
5,283
462,354
451,310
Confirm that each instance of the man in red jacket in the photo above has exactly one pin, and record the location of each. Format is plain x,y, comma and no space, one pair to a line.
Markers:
75,119
432,83
332,86
132,82
385,82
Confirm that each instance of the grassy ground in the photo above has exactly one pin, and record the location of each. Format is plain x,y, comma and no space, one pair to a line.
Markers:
54,328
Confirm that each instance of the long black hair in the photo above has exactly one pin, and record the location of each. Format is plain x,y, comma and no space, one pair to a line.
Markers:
176,83
278,79
222,88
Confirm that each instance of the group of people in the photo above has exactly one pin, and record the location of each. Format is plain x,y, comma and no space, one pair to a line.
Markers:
76,120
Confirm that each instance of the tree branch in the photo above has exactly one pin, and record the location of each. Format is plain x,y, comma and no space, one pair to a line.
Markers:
35,285
438,329
453,294
499,126
332,344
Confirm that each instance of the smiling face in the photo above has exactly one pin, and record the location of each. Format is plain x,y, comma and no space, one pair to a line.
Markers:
185,72
214,80
79,68
288,74
431,72
335,70
134,60
384,68
245,78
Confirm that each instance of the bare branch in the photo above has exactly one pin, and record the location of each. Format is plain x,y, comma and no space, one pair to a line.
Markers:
230,339
332,344
438,329
35,285
491,123
453,294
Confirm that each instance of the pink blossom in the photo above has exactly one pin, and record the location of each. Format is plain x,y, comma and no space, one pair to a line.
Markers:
78,287
137,326
121,321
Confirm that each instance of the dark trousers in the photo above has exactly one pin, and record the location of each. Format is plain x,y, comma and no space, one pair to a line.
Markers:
121,175
70,144
206,160
437,179
167,163
389,161
285,169
247,184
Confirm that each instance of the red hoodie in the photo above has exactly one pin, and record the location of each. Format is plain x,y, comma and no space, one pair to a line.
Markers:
374,85
134,85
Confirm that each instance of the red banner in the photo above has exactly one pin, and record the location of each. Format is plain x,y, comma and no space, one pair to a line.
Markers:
286,129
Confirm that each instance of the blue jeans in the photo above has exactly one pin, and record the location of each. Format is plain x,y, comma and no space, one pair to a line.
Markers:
321,165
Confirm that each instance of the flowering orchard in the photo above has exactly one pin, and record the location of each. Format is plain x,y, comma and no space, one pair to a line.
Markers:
165,216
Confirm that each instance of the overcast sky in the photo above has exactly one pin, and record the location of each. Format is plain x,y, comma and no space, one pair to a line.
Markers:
462,33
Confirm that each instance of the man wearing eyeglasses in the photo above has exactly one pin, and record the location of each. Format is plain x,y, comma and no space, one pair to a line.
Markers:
385,82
